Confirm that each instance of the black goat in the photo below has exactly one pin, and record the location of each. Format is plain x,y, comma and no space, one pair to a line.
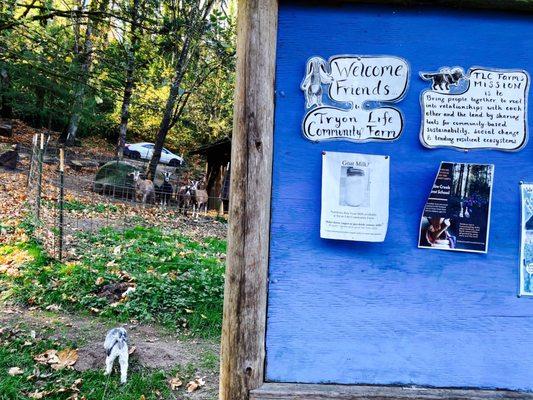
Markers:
166,190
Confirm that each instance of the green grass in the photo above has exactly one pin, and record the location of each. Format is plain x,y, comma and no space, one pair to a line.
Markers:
209,360
178,280
76,205
16,351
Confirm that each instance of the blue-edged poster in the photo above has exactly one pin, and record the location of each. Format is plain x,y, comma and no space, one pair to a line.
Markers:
526,250
457,212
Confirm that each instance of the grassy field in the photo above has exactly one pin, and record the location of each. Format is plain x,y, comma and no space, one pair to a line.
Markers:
138,274
19,347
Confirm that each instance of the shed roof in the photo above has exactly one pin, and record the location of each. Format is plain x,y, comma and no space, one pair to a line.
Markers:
220,146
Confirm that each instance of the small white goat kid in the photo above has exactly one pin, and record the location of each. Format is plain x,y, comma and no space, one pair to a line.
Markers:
116,345
144,188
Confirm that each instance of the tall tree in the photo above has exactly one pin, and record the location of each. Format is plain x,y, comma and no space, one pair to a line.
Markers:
129,82
84,53
191,17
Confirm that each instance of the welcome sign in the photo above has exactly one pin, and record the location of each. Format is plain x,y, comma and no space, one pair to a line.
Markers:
357,88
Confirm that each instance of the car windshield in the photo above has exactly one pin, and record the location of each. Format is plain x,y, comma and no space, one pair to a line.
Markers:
148,146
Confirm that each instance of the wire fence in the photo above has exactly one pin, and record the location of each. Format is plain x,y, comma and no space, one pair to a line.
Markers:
69,193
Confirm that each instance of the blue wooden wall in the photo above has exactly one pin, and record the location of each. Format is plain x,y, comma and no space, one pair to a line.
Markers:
390,313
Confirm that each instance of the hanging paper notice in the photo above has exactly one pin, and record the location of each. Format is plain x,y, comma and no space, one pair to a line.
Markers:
484,109
355,197
526,248
457,212
349,97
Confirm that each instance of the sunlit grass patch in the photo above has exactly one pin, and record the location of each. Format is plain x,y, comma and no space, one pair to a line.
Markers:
138,274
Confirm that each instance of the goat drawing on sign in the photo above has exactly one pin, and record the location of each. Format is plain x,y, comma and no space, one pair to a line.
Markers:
316,75
444,78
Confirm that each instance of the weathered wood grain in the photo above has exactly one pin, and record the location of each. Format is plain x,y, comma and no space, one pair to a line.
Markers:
243,332
288,391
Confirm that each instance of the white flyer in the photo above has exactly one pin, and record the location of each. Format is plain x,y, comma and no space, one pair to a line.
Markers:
526,247
355,197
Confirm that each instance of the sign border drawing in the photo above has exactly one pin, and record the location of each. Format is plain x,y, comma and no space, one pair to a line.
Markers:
381,105
467,78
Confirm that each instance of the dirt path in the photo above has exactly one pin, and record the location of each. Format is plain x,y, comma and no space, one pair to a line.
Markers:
154,348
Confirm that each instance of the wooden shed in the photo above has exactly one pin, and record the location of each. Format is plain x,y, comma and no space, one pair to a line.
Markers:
217,156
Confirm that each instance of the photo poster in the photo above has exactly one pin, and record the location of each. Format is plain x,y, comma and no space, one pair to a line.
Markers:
526,247
457,213
355,197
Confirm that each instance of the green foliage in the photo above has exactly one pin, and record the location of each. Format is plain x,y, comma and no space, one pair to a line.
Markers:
76,205
178,280
44,60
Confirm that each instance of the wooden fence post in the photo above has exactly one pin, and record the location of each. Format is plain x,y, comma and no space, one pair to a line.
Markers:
243,332
61,199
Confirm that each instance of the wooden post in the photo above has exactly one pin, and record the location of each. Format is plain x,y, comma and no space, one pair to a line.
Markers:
40,177
61,199
243,331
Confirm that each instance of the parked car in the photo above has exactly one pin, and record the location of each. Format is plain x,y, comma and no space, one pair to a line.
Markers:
145,150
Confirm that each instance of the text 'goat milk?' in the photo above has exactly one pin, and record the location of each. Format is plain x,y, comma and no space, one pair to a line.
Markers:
358,89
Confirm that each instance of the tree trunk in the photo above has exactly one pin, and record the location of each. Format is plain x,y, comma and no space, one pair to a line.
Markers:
166,122
164,127
40,96
86,59
129,84
194,34
6,110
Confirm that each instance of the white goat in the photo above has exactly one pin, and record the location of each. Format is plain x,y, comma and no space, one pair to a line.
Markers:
200,198
144,188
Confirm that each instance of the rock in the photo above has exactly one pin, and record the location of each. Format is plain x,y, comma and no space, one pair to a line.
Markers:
50,160
9,159
6,128
78,165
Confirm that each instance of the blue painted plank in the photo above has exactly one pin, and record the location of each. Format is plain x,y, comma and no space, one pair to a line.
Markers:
390,313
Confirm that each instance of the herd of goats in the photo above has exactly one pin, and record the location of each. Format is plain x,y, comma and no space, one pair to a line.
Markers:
189,196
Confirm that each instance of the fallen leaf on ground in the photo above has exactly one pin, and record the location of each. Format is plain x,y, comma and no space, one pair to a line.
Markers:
48,357
39,395
175,383
195,385
14,371
132,350
66,358
74,387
